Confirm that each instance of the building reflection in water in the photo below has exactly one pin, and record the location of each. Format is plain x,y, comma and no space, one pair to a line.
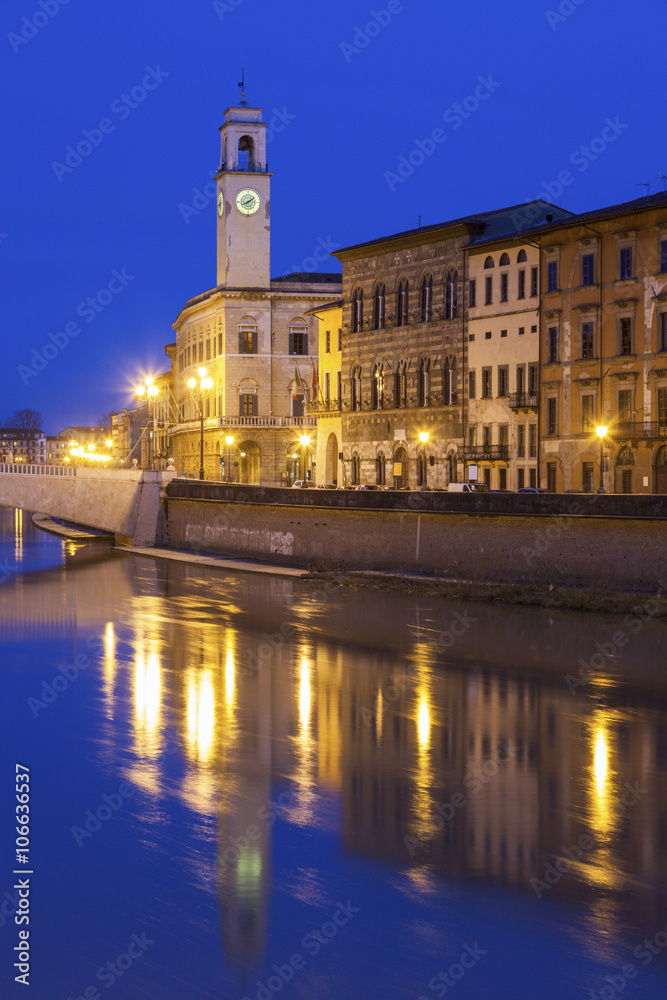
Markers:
445,772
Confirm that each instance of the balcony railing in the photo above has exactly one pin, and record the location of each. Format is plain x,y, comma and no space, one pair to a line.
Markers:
524,401
212,423
324,406
640,429
487,452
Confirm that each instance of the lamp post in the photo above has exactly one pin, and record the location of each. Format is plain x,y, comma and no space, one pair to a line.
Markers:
601,432
229,441
149,391
305,441
205,386
423,437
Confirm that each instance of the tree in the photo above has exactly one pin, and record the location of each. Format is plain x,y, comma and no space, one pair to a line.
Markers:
105,420
26,420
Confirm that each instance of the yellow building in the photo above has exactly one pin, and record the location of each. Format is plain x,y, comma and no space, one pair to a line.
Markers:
604,349
327,406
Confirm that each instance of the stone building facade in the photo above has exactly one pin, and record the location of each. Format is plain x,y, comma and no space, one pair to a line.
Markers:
325,402
405,349
604,349
253,337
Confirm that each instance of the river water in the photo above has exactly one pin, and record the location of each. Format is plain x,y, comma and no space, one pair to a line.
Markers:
249,786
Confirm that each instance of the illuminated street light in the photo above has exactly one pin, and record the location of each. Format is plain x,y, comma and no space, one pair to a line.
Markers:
601,433
423,437
305,441
229,441
205,386
149,391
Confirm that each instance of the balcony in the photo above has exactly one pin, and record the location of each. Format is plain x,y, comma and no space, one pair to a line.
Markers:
524,401
217,423
324,407
486,452
647,429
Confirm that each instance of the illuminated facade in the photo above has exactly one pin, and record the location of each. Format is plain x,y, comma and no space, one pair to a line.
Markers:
325,403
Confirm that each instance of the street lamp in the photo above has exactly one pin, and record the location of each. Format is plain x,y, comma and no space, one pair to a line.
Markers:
229,441
601,432
305,441
205,386
423,437
149,391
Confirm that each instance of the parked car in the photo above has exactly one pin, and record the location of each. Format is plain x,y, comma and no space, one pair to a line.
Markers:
326,486
367,487
301,484
528,489
468,488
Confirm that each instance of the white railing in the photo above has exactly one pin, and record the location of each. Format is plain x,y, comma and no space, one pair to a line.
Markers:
211,423
37,470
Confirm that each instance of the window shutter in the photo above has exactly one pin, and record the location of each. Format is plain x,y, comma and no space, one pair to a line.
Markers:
305,343
254,341
255,405
240,404
241,351
291,343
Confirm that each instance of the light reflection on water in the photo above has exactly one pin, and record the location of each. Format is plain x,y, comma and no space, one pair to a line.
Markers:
433,785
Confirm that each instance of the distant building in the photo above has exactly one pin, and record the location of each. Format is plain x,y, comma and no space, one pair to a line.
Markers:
325,402
20,445
127,430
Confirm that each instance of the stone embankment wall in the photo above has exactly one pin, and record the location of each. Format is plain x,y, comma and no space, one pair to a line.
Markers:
613,542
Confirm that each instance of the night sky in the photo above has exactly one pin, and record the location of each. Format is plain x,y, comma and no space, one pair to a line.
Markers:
346,101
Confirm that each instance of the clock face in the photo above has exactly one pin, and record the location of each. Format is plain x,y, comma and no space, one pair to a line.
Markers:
221,205
248,201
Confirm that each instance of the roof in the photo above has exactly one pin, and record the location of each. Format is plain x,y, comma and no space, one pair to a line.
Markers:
312,278
489,224
325,307
608,212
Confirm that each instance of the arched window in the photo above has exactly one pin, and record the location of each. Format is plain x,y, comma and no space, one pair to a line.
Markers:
400,386
377,387
488,262
358,310
426,299
402,303
355,389
246,159
424,387
356,480
446,384
521,257
451,295
380,469
379,300
298,337
421,469
504,260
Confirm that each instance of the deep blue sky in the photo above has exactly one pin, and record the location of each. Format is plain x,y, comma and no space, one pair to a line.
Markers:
354,114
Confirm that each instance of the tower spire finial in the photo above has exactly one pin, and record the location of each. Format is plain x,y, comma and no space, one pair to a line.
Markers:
243,103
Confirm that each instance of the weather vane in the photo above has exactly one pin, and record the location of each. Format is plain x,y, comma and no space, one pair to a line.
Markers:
242,85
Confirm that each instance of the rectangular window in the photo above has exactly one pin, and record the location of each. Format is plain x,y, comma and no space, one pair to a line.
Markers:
248,404
340,340
551,477
247,340
552,416
521,441
625,263
522,478
587,477
533,282
488,285
503,435
486,383
552,344
486,473
663,256
219,344
625,335
471,385
626,481
208,350
662,332
486,436
532,478
503,380
520,379
521,291
552,276
588,413
503,333
587,340
624,402
503,287
662,408
298,342
588,269
327,342
522,330
532,380
487,335
327,389
472,293
502,478
339,389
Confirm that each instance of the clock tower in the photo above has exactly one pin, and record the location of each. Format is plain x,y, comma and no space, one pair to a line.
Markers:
243,200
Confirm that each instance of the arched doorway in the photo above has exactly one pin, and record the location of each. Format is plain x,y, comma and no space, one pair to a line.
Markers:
331,461
660,471
248,457
400,468
299,462
625,461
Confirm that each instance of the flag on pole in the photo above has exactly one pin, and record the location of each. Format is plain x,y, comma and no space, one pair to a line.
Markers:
314,384
297,384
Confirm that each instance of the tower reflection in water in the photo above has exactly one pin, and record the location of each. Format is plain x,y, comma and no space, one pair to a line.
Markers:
447,773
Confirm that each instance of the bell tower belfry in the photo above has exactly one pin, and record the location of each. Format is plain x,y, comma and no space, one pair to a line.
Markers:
243,200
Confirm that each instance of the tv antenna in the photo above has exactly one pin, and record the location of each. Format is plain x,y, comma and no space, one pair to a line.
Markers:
644,184
663,178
